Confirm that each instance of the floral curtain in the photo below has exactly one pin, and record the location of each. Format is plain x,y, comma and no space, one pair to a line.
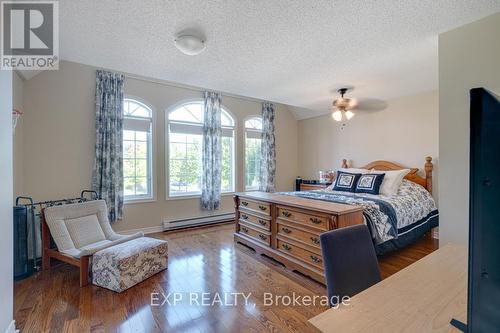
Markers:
268,148
211,152
107,175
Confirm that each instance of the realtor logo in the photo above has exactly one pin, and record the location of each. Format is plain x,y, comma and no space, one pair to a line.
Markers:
30,35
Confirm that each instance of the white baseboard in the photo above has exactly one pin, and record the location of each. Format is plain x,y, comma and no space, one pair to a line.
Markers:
173,224
12,327
148,230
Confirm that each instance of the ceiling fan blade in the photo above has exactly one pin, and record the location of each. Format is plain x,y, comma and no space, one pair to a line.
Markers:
353,104
370,104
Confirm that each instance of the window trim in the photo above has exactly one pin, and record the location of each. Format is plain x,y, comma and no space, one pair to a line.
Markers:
246,130
196,195
153,150
234,157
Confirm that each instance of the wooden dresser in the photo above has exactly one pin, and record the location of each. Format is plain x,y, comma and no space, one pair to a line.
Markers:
287,228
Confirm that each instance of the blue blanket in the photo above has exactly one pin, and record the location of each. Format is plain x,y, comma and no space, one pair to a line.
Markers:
379,214
387,217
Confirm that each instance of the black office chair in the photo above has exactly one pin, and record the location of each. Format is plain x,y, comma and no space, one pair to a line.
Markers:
350,262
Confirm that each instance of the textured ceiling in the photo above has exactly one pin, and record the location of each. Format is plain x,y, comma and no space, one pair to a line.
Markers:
293,52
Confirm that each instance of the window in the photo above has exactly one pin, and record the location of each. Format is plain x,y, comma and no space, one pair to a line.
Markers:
184,126
253,133
137,150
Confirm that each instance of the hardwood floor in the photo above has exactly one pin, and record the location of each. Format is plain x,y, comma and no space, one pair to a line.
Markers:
200,260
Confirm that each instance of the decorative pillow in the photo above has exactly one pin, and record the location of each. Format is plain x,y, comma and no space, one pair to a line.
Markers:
370,183
349,170
392,180
85,230
346,181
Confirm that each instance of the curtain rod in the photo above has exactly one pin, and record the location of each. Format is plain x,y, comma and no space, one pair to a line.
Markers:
188,87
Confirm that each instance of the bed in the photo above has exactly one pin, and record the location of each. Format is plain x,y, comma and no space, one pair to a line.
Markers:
397,220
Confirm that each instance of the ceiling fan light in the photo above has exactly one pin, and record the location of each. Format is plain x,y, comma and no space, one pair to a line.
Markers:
337,115
349,114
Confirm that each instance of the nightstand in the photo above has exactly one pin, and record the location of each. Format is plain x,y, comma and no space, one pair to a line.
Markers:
307,185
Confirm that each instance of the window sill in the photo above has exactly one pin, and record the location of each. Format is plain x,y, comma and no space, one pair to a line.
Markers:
138,201
195,196
182,197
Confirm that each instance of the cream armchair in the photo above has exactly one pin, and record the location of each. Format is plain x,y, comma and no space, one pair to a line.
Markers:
79,230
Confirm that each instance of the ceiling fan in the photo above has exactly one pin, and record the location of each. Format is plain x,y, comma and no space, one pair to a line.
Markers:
342,108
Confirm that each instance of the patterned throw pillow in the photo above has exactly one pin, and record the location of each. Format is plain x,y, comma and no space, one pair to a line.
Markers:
370,183
346,181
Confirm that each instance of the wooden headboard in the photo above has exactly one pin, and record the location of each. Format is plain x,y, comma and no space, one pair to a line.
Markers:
412,176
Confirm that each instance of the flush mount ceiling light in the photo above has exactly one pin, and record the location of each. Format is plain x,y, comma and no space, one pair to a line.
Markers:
190,44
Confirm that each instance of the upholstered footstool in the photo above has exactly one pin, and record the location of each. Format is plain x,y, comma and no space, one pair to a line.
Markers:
124,265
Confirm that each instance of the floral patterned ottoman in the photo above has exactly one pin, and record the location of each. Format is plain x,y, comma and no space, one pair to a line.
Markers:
124,265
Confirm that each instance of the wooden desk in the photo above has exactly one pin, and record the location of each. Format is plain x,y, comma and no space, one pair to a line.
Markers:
423,297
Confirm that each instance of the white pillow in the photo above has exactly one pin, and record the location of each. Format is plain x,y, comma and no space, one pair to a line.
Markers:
392,180
354,170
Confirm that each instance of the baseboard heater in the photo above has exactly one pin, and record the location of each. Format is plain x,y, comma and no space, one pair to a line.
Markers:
196,221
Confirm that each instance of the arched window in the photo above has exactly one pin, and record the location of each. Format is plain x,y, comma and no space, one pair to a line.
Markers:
137,150
184,155
253,139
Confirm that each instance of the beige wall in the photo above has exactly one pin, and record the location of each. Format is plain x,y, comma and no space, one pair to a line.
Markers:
469,57
405,132
6,273
59,127
18,138
58,132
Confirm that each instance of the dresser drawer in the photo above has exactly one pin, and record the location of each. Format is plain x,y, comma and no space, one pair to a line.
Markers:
303,217
256,206
256,220
290,230
249,230
297,252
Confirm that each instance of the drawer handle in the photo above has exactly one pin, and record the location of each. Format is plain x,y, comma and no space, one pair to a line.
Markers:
286,247
315,220
286,214
262,207
262,222
286,230
315,240
263,237
244,229
244,203
244,217
315,259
